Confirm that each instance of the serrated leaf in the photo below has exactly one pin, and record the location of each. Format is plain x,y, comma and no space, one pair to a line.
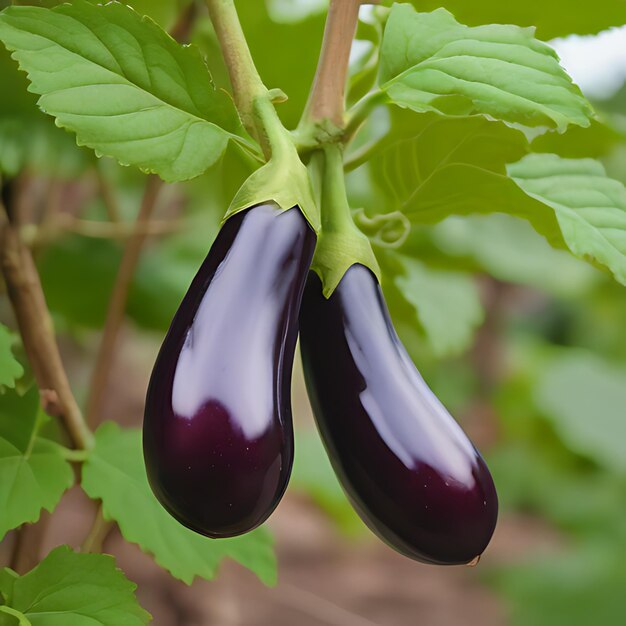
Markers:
584,398
429,166
77,590
589,206
125,87
10,369
430,62
115,473
441,168
33,473
447,304
555,18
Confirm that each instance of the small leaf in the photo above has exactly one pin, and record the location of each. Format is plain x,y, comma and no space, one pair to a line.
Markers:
125,87
10,369
584,398
447,305
115,473
589,206
33,472
77,590
430,62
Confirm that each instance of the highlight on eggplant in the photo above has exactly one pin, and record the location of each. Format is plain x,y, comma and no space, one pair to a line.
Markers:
218,435
408,468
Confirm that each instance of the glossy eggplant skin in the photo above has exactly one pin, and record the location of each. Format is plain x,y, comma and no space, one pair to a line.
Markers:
218,435
409,470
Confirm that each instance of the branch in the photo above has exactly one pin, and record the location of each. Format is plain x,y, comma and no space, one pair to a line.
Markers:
327,97
35,325
117,302
244,78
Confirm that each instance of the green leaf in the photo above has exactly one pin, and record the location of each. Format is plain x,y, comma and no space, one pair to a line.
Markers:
584,399
590,207
33,472
115,473
429,166
77,590
430,62
552,19
442,167
125,87
447,305
10,369
509,249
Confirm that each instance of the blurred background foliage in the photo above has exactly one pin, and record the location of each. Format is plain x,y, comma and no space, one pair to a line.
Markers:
524,343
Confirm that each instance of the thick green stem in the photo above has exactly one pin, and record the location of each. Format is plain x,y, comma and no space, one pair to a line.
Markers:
244,78
340,244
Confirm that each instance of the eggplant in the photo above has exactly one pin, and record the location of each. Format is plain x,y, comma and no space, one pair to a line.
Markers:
218,434
407,467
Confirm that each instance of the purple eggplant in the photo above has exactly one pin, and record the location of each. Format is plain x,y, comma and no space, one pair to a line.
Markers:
218,435
407,467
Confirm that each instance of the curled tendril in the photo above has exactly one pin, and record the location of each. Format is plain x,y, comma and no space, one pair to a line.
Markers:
389,230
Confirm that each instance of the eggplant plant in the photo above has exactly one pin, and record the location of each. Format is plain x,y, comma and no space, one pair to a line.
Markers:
328,187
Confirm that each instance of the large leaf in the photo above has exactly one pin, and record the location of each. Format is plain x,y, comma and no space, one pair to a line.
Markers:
430,62
75,590
430,166
115,473
584,398
125,87
33,471
552,19
447,304
590,207
10,369
441,167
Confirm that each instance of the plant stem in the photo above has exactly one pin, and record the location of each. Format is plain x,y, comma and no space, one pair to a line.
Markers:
35,325
244,78
327,97
98,533
117,302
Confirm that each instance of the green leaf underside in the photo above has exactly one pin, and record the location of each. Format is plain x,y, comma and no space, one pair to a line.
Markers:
589,206
115,473
584,399
33,473
125,87
430,166
447,305
430,62
10,369
457,166
70,589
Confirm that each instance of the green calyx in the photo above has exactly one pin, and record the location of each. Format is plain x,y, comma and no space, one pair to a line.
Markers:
284,179
340,243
